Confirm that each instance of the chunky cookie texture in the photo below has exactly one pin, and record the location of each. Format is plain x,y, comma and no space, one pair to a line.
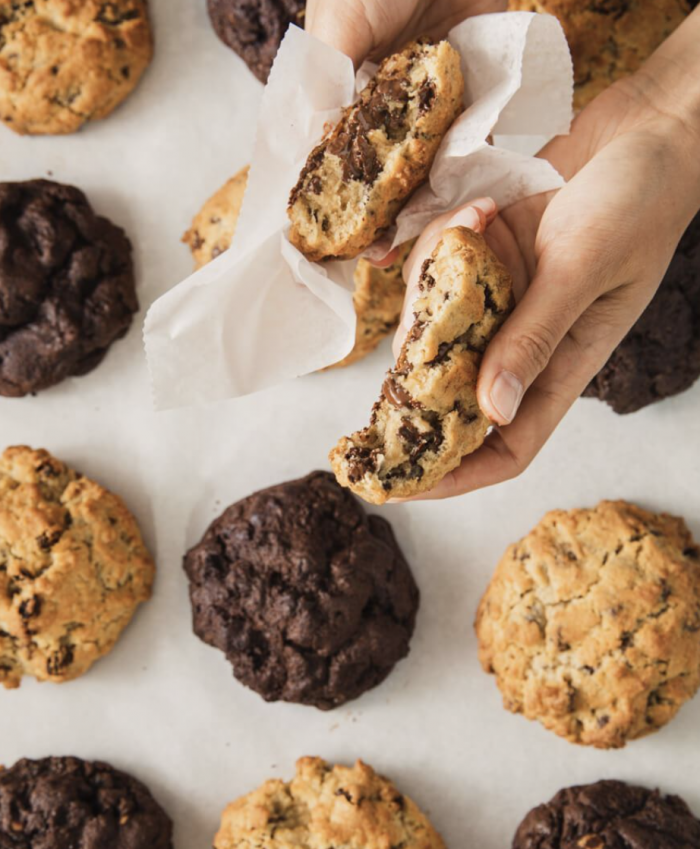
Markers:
255,28
73,569
427,417
591,623
326,807
56,803
609,815
355,182
310,599
67,288
609,39
379,292
660,356
66,62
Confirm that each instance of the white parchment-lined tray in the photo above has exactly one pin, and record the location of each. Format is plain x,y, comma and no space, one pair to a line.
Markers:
165,706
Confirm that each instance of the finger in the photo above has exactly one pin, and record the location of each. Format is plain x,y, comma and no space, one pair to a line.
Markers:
381,254
341,25
508,451
476,215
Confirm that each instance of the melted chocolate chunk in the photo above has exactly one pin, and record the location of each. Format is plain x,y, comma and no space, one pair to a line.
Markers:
395,393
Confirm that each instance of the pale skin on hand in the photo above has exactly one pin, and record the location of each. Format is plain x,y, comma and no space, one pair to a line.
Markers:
585,260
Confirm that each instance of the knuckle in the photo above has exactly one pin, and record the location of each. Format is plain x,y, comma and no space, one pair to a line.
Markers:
535,347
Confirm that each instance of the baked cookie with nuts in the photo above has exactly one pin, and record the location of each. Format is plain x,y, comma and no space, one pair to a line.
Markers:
609,815
56,803
324,806
427,417
66,62
357,179
73,569
591,623
378,294
609,39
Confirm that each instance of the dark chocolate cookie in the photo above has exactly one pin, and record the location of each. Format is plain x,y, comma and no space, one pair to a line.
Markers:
66,285
55,803
255,28
660,356
310,599
609,815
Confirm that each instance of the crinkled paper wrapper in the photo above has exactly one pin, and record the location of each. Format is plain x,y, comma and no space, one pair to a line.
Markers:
261,313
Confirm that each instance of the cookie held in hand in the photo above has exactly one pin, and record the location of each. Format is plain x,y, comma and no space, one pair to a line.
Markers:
324,806
73,569
310,598
427,417
357,179
609,815
591,623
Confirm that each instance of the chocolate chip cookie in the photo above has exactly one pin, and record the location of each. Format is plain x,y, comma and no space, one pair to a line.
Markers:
73,569
378,294
255,28
56,803
357,179
67,289
591,623
427,417
609,39
325,806
66,62
660,356
310,599
609,815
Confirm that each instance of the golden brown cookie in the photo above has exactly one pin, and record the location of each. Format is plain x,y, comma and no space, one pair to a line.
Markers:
591,623
357,179
65,62
427,417
378,294
326,807
73,569
609,39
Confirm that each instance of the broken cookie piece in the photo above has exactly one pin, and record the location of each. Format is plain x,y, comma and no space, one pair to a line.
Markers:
355,182
427,417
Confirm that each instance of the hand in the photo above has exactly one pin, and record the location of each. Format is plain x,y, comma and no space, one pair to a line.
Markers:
586,261
372,29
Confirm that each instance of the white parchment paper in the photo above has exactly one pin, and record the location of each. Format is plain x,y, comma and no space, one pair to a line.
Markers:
261,314
163,705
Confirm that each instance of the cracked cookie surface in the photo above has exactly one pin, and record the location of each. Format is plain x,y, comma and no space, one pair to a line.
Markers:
378,294
67,289
591,623
73,569
66,62
55,803
357,179
660,356
609,39
254,29
325,807
609,815
310,599
427,417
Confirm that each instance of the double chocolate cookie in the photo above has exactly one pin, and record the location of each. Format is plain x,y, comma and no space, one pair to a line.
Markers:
609,815
609,39
357,179
591,623
427,417
660,356
255,28
310,599
66,62
73,569
327,806
56,803
67,289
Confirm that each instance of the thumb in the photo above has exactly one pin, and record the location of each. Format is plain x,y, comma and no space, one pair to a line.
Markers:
341,25
523,347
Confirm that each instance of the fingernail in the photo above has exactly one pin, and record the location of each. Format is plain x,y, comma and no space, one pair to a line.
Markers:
470,216
506,395
488,206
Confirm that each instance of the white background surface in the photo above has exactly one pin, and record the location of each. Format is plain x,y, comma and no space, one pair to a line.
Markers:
165,706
